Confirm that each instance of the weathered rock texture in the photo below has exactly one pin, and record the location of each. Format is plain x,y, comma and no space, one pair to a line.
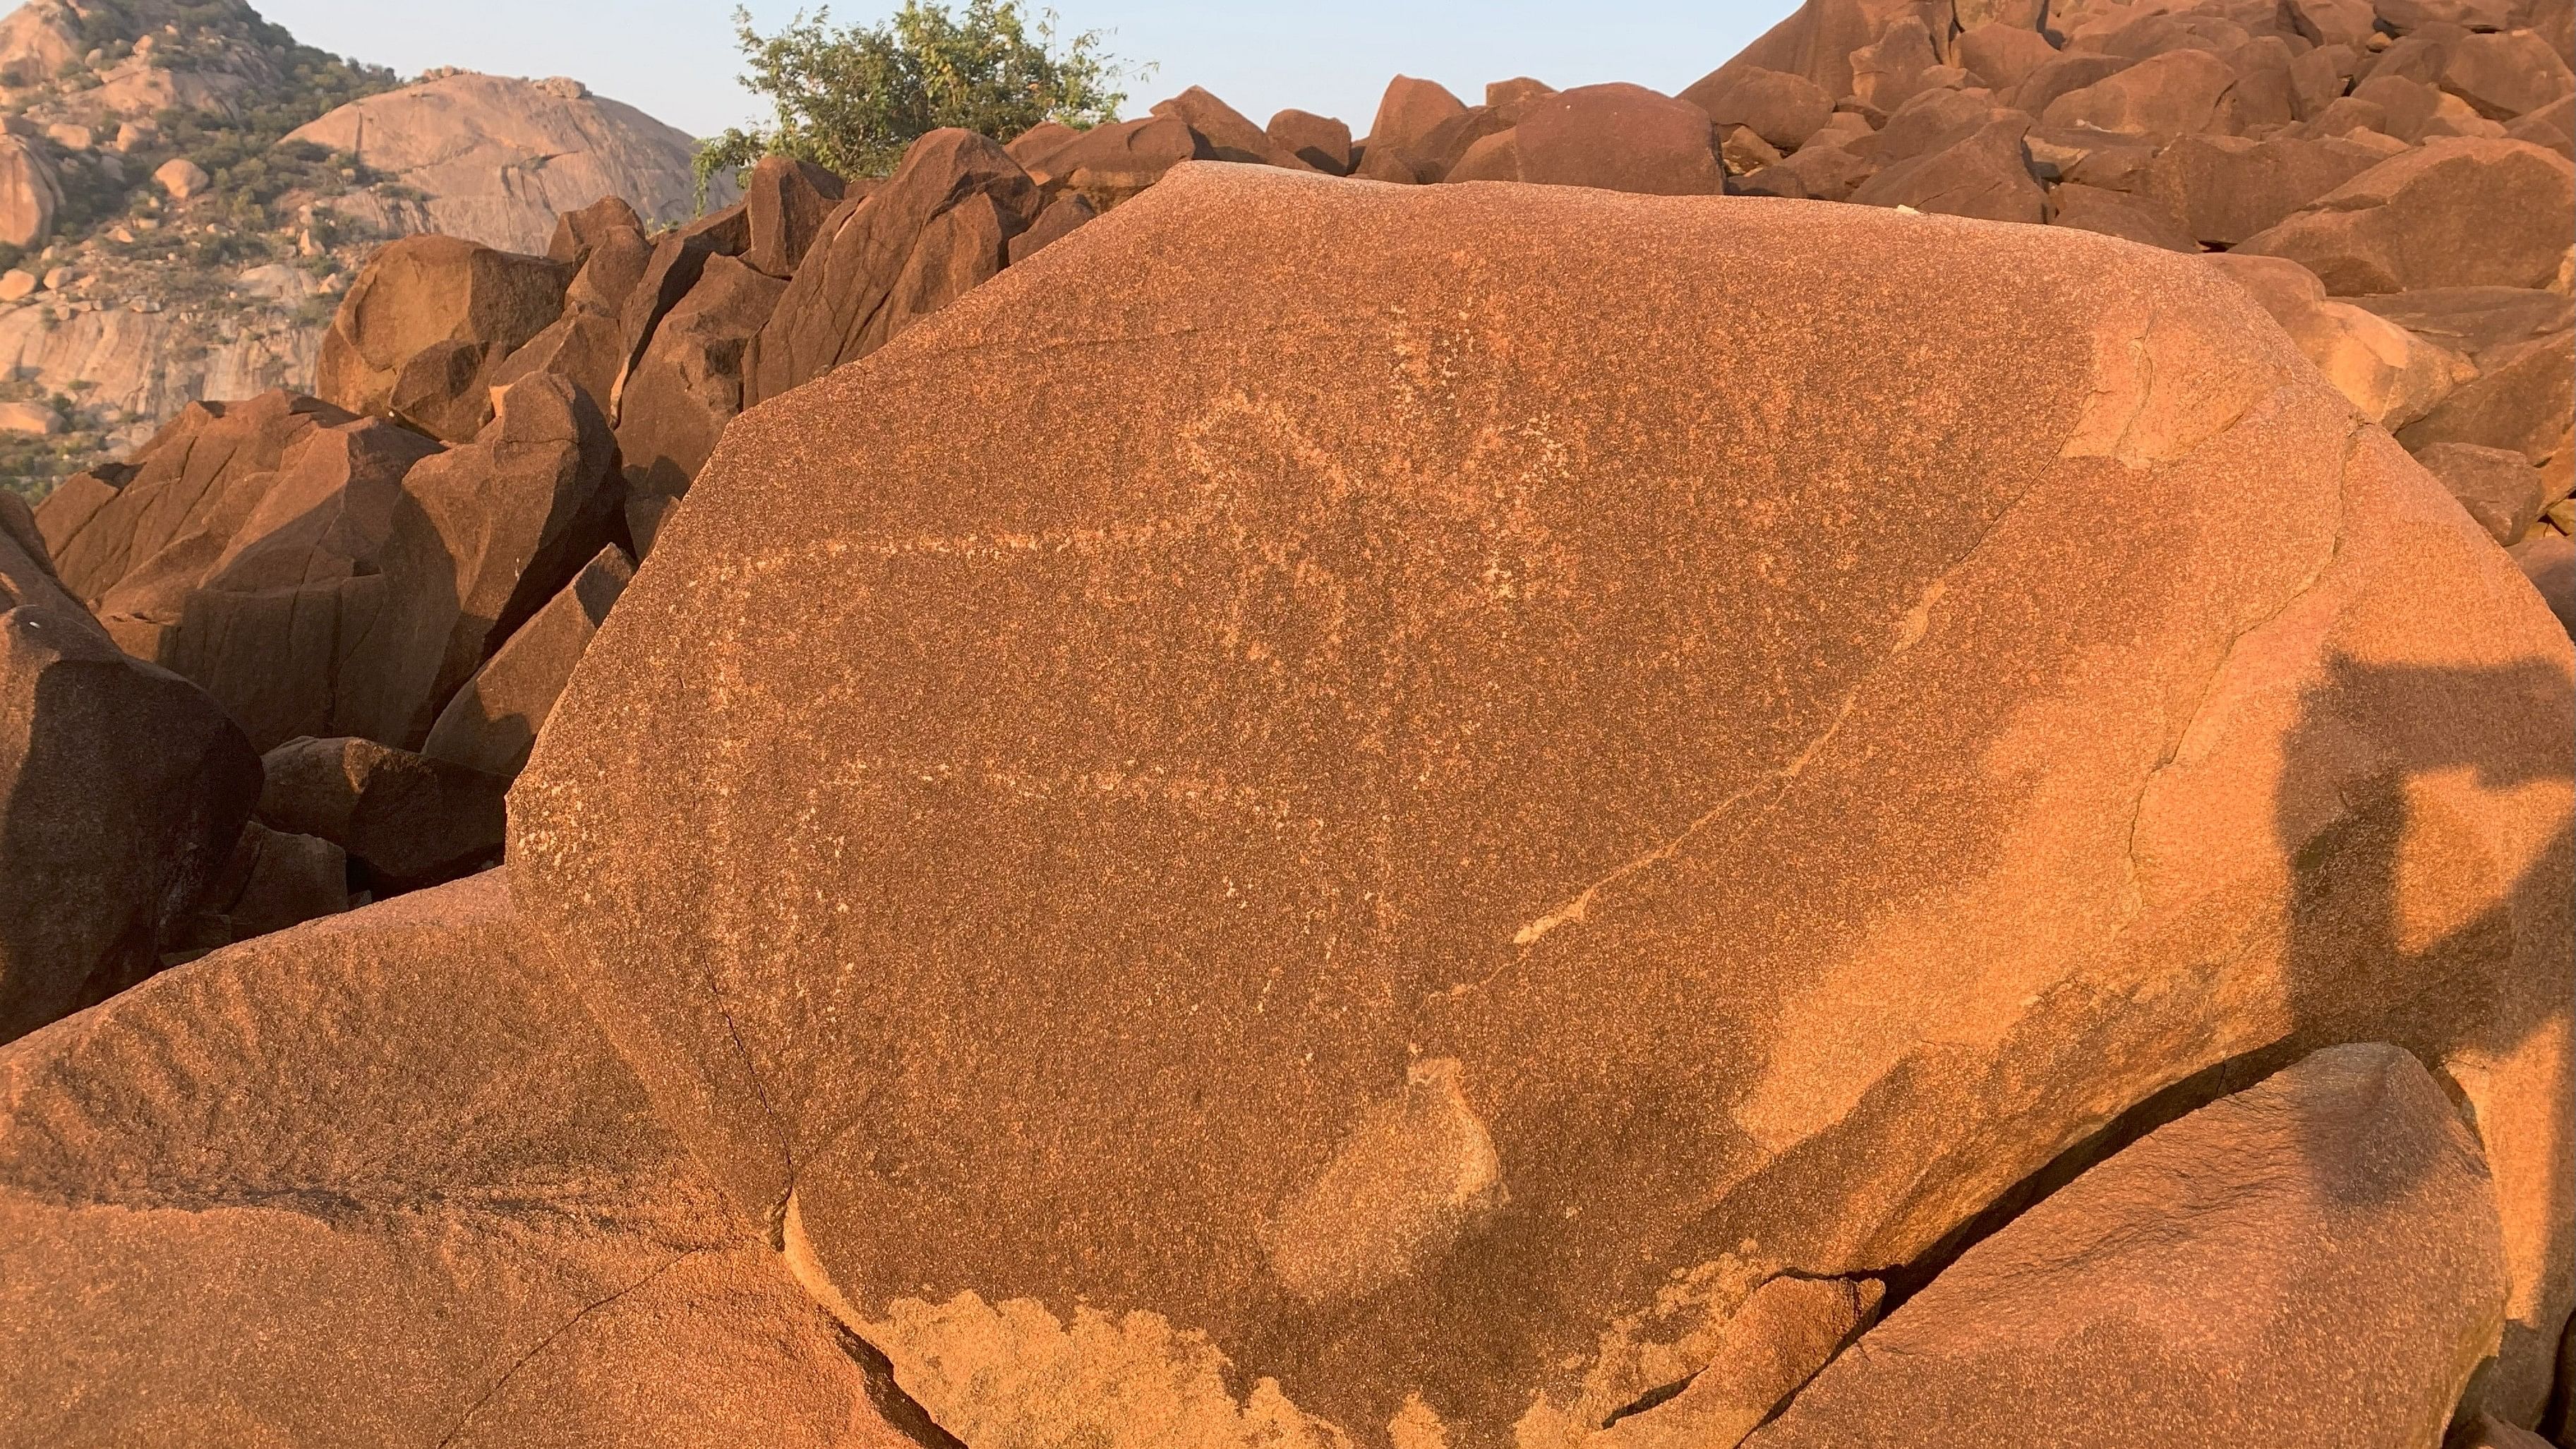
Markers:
1412,794
377,1180
122,791
500,159
2313,1260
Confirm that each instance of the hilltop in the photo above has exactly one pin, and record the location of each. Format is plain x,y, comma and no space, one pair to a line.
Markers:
186,191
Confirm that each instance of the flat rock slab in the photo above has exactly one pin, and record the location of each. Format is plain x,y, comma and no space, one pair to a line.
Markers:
1400,787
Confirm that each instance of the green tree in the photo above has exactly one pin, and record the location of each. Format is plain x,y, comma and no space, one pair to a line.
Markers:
853,98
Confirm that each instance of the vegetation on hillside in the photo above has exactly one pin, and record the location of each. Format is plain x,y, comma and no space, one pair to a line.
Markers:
852,98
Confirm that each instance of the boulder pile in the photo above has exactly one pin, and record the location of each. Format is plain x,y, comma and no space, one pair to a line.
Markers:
1505,785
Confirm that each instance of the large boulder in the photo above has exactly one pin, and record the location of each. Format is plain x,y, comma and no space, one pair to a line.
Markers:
1984,173
2457,212
491,724
688,385
1449,797
377,1180
2224,189
942,225
1619,138
1785,110
498,159
122,791
440,310
410,821
1816,41
784,203
2313,1260
2172,94
274,587
1230,134
30,194
2392,375
327,575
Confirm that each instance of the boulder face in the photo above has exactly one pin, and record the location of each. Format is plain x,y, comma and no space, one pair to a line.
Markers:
501,159
429,303
941,226
377,1180
1405,814
2312,1260
122,791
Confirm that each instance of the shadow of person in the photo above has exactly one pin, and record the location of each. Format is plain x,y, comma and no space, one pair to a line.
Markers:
2418,917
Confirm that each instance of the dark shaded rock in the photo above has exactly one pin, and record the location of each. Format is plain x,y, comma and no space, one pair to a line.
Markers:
2500,488
687,386
411,821
1320,141
1408,113
122,790
274,880
2523,399
579,233
1061,217
504,523
2552,126
1817,40
1985,174
1108,164
493,721
784,202
1890,71
2549,562
939,227
2406,106
426,292
2225,189
2505,76
2477,322
281,595
1231,135
1619,138
2115,213
2173,94
202,472
1785,110
2452,213
2001,57
2316,1258
2069,73
377,1180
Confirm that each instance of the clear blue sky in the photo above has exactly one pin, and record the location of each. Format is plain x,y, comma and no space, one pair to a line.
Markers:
675,58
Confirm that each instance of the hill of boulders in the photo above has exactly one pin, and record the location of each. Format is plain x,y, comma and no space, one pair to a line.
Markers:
1511,783
186,193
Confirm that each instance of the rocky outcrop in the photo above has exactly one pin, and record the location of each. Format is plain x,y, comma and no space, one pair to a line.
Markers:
500,159
122,791
1240,838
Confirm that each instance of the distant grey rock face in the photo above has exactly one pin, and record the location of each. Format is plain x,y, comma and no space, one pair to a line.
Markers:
500,159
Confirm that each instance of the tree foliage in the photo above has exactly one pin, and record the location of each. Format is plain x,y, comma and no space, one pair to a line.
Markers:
853,98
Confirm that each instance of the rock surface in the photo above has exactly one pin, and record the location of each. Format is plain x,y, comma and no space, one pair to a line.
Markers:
377,1180
1251,835
2315,1259
122,790
500,159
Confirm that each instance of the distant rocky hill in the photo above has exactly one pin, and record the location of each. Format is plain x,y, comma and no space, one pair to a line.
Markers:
185,192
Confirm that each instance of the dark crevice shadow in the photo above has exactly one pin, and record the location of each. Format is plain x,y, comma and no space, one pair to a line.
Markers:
897,1408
